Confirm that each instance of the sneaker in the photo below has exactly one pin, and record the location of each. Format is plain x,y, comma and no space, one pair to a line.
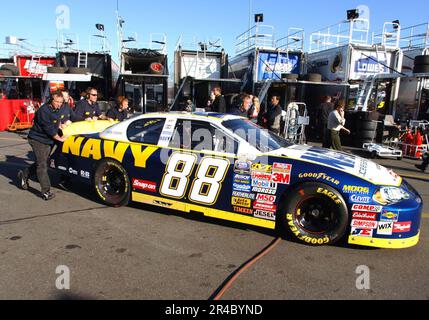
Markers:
22,180
48,196
420,167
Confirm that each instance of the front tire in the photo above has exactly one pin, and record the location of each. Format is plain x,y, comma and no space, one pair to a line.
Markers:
112,184
315,214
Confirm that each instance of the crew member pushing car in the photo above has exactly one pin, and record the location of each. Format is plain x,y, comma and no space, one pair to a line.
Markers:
120,111
42,138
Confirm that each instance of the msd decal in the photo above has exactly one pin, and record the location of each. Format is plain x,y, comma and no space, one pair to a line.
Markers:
402,227
144,185
366,208
265,198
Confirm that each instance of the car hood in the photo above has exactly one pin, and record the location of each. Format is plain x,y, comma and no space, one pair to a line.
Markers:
353,165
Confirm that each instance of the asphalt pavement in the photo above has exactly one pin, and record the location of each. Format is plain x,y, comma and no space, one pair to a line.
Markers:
141,252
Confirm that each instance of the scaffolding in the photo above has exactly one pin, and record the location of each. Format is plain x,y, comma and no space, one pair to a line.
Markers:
390,37
258,37
346,32
415,37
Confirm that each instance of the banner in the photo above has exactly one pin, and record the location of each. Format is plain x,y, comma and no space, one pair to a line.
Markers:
273,64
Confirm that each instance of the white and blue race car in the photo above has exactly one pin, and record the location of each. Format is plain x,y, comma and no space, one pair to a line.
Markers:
228,168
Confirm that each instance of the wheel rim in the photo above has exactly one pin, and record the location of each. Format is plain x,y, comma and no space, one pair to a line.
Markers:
316,215
112,182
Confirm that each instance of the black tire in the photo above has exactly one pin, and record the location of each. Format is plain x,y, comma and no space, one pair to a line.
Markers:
112,184
315,214
79,70
374,155
314,77
57,70
10,67
421,69
367,125
421,60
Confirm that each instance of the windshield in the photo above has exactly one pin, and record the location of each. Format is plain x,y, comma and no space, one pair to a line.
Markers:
261,139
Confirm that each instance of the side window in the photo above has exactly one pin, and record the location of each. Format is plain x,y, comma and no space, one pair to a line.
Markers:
223,143
193,135
145,131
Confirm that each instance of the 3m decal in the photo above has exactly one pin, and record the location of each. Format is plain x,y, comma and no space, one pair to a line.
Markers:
366,208
281,178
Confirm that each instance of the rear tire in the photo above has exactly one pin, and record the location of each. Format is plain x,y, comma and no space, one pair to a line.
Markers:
112,184
315,214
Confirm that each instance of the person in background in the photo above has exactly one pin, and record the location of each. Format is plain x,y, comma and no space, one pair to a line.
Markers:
336,123
68,99
120,111
325,109
2,95
242,110
255,110
42,138
273,115
219,103
88,109
422,167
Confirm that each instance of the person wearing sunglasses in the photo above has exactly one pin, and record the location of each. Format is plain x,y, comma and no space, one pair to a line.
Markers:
88,109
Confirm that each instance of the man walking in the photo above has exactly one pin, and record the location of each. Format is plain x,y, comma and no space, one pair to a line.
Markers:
274,115
42,138
325,109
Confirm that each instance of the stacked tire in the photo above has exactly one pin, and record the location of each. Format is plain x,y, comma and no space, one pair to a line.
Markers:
366,132
421,64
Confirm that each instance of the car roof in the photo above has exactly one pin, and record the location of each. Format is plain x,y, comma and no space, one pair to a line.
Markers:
210,116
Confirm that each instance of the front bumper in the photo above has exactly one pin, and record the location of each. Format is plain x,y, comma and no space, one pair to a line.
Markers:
385,243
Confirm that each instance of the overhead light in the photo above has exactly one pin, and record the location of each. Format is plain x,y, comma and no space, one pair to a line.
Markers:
100,26
396,24
352,14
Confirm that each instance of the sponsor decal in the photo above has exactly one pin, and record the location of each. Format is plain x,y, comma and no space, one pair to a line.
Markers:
264,206
319,176
144,185
246,195
162,204
261,176
241,187
364,216
241,202
242,210
362,232
366,208
355,189
281,178
363,167
330,158
402,227
282,167
385,228
73,171
364,224
242,167
52,165
262,168
264,184
264,215
389,216
62,168
360,199
329,194
264,190
85,174
242,179
265,198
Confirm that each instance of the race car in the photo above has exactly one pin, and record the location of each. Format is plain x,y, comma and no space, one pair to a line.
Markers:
226,167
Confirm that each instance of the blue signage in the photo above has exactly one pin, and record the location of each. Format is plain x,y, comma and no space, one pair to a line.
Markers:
272,65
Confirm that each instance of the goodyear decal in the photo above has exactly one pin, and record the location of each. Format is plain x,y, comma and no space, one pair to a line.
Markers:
97,149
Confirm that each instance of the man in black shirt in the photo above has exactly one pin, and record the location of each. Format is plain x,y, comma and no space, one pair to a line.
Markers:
42,138
325,109
219,103
273,115
88,109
